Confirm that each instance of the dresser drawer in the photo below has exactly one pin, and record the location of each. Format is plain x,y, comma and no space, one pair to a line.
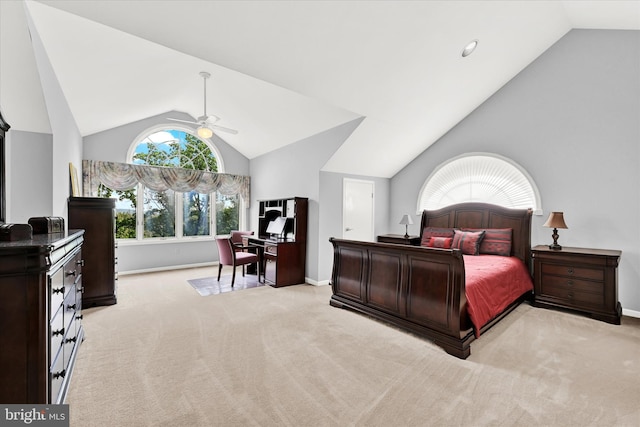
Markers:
56,291
56,331
569,270
69,307
56,376
73,269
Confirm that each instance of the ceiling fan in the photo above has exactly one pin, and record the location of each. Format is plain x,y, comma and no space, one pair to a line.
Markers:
206,124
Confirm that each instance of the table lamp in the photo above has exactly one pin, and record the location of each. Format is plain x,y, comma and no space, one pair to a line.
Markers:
555,221
406,221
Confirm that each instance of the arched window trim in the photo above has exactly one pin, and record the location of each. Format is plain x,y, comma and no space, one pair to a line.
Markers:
537,210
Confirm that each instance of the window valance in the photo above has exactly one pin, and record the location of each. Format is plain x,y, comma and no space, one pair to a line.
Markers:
125,176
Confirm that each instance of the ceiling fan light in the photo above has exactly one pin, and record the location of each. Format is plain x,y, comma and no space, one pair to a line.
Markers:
204,132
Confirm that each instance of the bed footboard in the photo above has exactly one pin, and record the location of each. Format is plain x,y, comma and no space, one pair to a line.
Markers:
421,290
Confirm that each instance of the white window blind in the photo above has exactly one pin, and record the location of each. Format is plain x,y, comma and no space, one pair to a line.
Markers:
479,178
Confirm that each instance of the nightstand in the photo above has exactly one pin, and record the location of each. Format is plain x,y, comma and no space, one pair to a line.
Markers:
399,239
579,279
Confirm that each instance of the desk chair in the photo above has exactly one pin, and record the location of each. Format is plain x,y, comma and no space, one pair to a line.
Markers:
238,244
228,256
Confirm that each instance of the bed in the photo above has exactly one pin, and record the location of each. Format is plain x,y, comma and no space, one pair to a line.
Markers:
437,292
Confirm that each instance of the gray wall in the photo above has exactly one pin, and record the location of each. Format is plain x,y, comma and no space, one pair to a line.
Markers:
294,170
29,160
113,145
331,199
572,120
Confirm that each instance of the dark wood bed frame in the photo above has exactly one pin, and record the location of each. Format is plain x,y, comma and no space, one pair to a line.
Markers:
422,290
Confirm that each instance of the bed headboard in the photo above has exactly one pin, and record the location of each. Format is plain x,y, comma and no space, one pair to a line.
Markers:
485,215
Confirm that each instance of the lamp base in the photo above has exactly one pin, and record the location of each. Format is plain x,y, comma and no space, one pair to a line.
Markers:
555,246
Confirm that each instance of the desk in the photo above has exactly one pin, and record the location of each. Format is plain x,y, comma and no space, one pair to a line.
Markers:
282,262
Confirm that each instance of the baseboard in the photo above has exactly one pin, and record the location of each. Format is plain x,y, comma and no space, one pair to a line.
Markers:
167,268
630,313
315,282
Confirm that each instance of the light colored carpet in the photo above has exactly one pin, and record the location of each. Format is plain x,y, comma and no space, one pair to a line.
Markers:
165,356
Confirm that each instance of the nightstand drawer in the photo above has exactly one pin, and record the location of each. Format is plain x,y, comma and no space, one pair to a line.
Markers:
569,270
574,297
571,284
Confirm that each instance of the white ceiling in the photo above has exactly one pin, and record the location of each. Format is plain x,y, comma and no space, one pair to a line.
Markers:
285,70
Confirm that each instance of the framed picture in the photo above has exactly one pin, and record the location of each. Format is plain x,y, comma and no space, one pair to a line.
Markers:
73,179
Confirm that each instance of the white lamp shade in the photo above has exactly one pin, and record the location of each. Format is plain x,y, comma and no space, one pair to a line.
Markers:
406,220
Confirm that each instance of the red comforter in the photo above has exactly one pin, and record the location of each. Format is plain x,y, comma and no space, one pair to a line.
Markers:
492,283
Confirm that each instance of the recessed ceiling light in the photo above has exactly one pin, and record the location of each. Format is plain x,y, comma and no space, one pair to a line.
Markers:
469,48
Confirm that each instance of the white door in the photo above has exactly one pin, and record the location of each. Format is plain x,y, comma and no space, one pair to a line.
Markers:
357,209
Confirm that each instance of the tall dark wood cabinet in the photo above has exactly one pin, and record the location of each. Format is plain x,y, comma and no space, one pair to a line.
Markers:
96,216
40,316
285,255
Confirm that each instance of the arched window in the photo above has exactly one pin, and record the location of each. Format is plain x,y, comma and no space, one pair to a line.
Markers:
479,177
170,214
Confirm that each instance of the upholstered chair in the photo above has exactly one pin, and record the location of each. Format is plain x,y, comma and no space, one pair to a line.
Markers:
228,256
238,244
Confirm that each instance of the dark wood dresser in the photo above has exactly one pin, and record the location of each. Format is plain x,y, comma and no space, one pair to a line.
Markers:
40,316
96,216
580,279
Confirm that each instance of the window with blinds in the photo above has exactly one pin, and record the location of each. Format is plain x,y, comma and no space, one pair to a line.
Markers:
485,178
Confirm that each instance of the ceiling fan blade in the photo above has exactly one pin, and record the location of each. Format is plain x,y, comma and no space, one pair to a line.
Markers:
223,129
182,121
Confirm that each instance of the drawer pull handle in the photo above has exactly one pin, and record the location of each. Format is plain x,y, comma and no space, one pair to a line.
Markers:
570,282
79,317
68,340
570,294
71,273
60,374
80,263
71,307
58,290
570,270
58,332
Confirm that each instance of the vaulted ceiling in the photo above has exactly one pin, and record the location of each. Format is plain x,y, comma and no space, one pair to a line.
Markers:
283,71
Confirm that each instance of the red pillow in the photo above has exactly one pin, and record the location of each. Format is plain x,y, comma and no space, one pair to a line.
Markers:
467,241
496,241
440,242
429,232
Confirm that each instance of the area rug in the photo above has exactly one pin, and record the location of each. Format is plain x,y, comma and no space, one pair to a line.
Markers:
210,286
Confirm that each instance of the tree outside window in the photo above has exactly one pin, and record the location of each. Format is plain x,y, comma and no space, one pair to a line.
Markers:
162,211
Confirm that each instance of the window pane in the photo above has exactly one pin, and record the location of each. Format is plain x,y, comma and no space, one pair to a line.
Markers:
196,214
227,213
175,148
125,210
159,213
